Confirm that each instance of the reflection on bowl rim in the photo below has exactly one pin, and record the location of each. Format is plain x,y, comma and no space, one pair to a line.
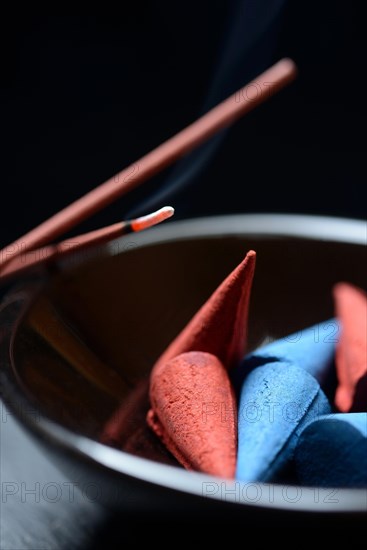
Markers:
265,495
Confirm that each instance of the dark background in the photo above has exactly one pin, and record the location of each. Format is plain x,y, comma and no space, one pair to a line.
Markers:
84,96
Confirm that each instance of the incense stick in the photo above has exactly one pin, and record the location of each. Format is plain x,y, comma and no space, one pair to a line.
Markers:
218,118
28,259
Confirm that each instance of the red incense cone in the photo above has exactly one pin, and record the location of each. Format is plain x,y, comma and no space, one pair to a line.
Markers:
351,352
190,378
194,412
220,325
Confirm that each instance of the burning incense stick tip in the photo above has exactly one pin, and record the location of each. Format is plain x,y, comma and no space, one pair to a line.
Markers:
152,219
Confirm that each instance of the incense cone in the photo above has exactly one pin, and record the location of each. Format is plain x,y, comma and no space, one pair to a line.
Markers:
191,374
194,412
277,401
220,325
332,451
312,349
351,352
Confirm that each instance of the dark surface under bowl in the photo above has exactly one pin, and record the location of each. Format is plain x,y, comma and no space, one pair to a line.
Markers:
76,343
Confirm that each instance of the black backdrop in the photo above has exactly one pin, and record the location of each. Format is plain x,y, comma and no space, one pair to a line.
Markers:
83,96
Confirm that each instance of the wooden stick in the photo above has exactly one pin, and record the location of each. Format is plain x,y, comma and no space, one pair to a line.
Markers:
29,259
220,117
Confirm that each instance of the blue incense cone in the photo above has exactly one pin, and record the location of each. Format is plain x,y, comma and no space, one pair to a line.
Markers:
276,402
312,349
332,451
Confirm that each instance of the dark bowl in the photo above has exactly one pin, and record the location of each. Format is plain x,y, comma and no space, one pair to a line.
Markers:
77,340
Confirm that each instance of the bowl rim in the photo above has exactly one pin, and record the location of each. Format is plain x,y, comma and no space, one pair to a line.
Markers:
258,494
